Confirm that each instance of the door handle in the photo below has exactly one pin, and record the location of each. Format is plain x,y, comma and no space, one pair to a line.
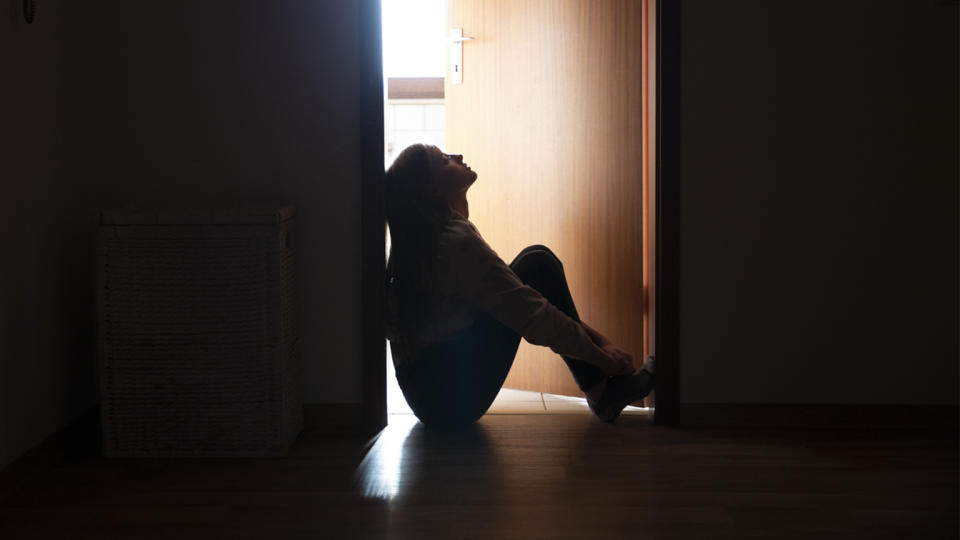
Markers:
456,54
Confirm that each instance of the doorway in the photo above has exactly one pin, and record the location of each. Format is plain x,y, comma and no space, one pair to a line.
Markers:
416,68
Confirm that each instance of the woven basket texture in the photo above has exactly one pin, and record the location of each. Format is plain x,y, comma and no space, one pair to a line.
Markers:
198,340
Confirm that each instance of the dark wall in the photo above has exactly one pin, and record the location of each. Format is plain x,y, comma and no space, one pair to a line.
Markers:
46,294
111,104
819,232
222,102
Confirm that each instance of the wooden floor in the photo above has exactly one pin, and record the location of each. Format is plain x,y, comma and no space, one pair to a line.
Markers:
512,476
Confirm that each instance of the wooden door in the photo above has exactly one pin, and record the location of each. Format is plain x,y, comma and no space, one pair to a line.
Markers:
549,115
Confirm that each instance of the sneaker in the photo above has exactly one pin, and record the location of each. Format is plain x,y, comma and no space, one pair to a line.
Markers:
620,392
648,364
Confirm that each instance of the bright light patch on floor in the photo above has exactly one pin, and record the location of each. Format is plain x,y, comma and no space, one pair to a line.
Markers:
380,473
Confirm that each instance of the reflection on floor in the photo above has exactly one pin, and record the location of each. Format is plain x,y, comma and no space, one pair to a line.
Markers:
508,401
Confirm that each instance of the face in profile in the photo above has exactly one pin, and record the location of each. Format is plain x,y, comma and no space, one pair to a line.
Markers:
450,176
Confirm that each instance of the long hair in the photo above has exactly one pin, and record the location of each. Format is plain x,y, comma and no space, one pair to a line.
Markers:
415,217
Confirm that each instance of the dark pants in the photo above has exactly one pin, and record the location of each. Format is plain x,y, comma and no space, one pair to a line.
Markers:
455,381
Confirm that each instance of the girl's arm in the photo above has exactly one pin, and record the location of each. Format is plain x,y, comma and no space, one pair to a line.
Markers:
599,339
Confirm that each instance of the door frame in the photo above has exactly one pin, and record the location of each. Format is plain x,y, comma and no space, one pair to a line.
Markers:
373,231
667,203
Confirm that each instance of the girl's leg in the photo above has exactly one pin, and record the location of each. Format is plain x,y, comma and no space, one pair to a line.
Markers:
538,267
455,381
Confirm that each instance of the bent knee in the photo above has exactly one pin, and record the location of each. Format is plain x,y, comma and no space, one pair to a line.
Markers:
537,254
537,247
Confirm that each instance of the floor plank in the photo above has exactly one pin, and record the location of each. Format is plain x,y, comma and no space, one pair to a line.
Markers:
513,476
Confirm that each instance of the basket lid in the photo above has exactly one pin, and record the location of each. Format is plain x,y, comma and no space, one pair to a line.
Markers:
221,216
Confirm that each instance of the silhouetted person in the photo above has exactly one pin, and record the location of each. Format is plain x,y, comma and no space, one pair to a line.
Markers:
456,311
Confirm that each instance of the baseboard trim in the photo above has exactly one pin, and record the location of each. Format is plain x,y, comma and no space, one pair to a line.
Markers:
819,416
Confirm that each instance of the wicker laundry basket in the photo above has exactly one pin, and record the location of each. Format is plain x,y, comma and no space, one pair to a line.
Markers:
197,333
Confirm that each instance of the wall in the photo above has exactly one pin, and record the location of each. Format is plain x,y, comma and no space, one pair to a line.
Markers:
228,102
119,103
819,231
46,298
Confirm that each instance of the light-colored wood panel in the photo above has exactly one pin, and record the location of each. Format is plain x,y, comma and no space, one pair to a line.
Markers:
549,115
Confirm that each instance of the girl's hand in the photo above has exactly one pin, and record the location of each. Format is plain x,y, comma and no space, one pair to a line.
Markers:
621,362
